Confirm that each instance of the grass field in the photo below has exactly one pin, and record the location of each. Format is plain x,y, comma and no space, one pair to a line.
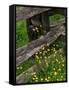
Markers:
55,69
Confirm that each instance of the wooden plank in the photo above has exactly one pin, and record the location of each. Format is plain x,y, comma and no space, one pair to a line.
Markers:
26,52
45,22
28,12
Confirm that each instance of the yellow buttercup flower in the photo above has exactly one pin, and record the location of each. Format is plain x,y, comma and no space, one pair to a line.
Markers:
45,57
33,29
48,77
40,57
48,49
36,53
36,78
39,62
41,79
45,79
63,65
59,69
33,78
21,67
59,62
55,73
56,60
17,67
54,69
55,52
46,64
35,75
37,57
61,76
43,48
36,28
40,25
40,52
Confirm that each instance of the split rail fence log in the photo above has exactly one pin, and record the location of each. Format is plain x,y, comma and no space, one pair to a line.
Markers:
23,54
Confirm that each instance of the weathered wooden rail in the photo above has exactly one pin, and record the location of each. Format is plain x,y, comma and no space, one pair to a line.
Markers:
53,31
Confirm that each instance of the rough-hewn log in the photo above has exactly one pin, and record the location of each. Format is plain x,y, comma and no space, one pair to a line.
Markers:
22,54
27,12
45,22
22,78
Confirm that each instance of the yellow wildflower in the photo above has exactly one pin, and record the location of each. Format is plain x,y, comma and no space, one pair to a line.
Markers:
36,78
61,76
55,73
45,79
40,52
63,65
17,67
40,25
36,28
56,60
43,48
20,67
39,62
37,57
59,69
54,69
48,49
35,75
48,77
45,57
33,78
41,79
33,29
40,57
36,53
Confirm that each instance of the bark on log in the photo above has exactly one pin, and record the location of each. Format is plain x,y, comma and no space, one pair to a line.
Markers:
24,53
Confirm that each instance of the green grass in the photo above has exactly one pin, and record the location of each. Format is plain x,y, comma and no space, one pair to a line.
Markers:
21,33
55,17
24,66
